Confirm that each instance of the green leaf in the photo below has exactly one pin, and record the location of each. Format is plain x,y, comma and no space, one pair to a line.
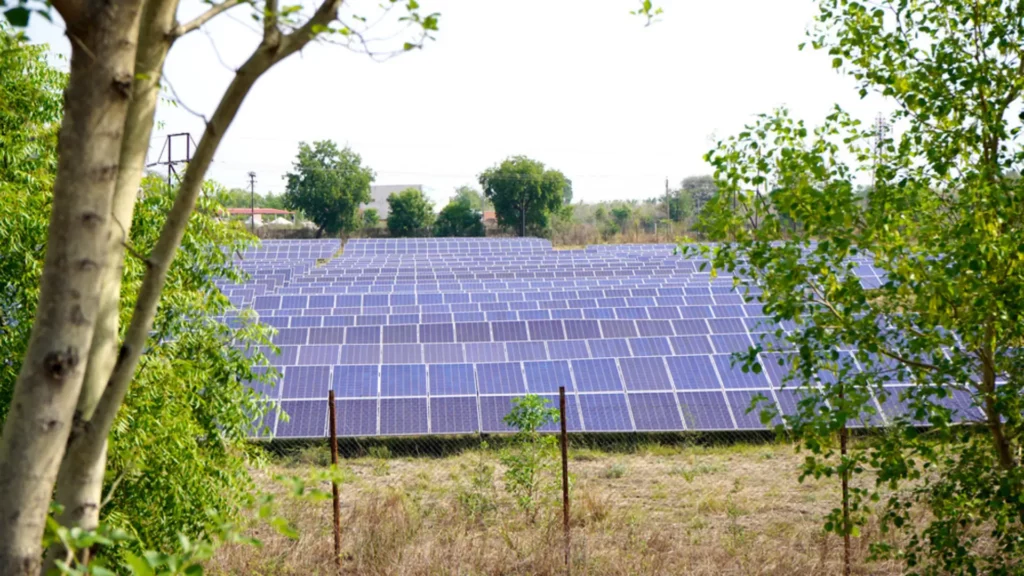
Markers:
138,566
18,16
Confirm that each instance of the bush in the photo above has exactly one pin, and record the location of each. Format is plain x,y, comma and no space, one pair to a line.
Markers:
459,218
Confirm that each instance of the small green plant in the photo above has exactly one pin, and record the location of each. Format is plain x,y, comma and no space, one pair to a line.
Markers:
478,497
530,458
617,470
380,456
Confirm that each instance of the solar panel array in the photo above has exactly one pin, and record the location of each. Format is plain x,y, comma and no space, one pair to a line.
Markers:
437,336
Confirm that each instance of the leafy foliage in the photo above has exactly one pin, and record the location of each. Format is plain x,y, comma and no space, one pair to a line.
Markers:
410,213
30,109
459,218
475,199
531,461
525,193
944,221
328,185
370,218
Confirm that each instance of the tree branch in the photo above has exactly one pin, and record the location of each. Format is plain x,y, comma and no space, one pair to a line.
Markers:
182,29
271,33
261,60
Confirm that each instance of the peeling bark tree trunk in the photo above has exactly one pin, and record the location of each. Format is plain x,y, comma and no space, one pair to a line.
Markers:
46,393
80,483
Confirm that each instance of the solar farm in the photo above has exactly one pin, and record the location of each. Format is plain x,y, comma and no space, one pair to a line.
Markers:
437,336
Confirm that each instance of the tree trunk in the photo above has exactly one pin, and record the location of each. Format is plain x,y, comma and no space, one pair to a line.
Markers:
46,393
90,442
80,482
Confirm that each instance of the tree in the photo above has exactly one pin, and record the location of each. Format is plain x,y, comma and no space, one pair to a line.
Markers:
700,190
370,218
328,185
410,213
524,192
475,199
458,218
77,366
172,406
622,215
944,224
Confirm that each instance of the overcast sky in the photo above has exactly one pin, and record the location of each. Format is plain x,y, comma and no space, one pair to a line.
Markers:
580,85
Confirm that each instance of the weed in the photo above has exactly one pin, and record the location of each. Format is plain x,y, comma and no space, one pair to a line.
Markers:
616,470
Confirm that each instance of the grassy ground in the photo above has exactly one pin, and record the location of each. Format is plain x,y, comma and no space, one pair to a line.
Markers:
661,510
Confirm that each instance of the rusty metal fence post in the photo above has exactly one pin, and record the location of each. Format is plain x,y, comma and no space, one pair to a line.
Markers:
335,502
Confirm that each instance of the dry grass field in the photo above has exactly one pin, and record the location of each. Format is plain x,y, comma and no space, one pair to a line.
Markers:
735,509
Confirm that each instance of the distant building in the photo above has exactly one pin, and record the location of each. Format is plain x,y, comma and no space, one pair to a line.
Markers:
379,196
489,217
257,215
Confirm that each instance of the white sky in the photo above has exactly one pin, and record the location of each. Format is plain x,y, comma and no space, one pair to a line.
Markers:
580,85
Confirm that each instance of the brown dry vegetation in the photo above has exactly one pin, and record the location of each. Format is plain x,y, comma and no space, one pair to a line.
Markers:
661,510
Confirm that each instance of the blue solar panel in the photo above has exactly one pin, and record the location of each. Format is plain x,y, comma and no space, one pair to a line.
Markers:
286,355
650,347
618,329
306,382
544,377
485,352
655,411
605,412
402,354
437,333
520,351
500,378
403,380
355,381
401,334
400,416
581,329
443,353
332,335
733,376
596,375
359,354
452,379
546,330
693,373
453,415
731,343
741,402
646,373
705,411
568,349
507,331
319,354
611,348
290,336
306,419
473,332
356,417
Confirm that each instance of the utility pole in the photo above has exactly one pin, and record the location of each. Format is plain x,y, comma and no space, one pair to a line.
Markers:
170,162
252,201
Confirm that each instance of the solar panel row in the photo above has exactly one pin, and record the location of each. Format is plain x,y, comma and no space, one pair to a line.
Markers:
437,336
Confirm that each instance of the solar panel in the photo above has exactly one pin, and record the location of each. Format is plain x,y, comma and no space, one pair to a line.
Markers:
647,373
605,412
437,336
401,416
597,375
452,379
454,415
306,382
500,378
655,411
356,417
